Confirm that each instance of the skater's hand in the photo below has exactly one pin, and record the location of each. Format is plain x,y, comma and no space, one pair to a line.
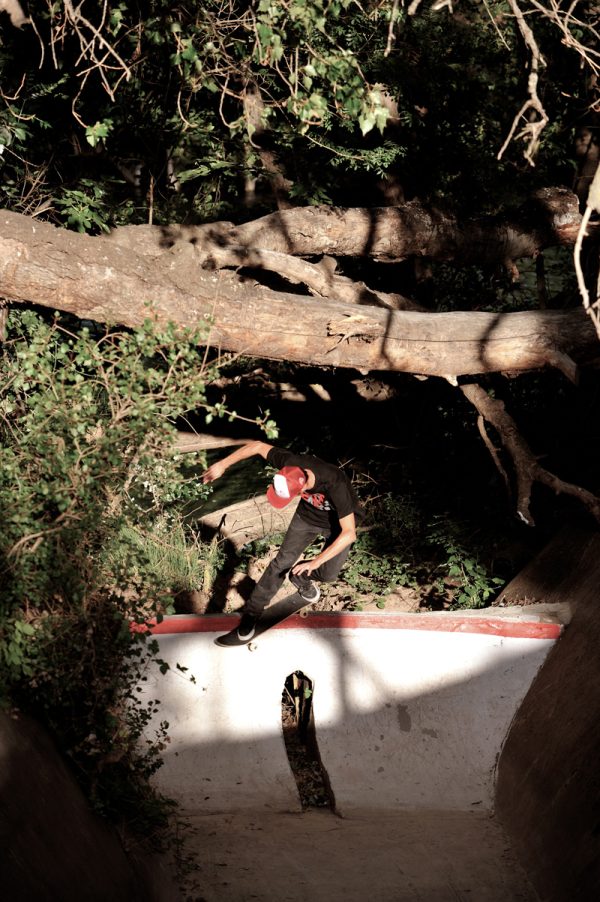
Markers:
305,567
214,472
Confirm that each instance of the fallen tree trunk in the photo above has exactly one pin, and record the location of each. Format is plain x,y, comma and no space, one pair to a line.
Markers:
100,280
550,217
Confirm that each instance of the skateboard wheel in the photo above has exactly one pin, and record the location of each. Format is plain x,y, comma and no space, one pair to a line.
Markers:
304,613
252,646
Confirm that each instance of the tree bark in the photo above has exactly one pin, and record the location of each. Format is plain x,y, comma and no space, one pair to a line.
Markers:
188,442
103,280
413,229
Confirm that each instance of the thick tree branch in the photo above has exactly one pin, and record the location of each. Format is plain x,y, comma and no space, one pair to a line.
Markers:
384,233
101,280
526,467
320,278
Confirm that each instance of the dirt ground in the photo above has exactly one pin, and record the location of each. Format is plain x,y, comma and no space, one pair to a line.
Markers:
229,595
242,523
316,856
334,597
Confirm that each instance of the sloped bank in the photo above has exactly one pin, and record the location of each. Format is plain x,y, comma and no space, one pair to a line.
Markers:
548,787
54,848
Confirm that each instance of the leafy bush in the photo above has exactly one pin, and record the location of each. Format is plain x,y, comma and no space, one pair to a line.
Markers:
460,572
384,553
87,421
257,548
175,558
401,546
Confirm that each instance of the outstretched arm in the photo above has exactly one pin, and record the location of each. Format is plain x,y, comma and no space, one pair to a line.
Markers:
249,449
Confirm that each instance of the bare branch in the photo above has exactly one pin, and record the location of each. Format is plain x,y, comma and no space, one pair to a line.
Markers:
391,38
573,30
493,451
526,466
186,442
319,278
593,204
77,19
533,128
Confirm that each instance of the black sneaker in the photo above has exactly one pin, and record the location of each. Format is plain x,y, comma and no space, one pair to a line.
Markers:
307,589
246,627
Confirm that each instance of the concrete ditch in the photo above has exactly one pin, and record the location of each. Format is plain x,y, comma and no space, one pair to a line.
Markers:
423,726
461,751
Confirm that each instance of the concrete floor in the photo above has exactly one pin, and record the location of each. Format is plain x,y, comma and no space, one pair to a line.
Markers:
316,856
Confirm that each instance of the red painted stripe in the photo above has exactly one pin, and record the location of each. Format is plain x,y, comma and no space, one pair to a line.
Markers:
445,623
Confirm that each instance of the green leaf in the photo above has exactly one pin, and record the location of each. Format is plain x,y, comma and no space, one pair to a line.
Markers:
95,133
366,122
25,628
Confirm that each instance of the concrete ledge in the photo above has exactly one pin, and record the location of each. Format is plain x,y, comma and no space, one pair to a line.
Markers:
493,624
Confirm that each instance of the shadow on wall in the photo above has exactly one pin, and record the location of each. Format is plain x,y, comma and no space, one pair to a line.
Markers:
404,718
54,849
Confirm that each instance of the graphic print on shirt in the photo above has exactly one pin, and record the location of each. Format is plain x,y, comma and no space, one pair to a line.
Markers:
317,500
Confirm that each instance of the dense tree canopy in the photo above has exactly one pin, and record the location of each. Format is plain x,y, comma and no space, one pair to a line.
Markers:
174,111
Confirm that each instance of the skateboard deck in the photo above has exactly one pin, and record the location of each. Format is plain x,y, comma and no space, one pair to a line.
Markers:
271,616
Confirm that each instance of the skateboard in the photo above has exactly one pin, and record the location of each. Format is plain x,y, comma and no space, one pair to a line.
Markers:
271,616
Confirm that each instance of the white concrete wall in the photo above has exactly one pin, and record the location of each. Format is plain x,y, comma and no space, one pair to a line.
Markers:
409,713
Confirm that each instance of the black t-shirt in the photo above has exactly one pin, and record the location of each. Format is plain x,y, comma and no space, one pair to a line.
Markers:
332,496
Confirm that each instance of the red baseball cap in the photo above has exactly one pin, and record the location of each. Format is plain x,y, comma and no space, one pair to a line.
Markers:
287,485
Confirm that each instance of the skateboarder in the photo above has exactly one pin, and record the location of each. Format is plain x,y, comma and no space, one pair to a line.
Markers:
328,507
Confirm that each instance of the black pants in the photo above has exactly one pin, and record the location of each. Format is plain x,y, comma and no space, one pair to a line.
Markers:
297,539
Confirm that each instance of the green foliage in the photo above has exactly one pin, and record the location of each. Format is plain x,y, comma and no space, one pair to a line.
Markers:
476,288
152,104
460,571
167,92
96,133
384,553
90,543
84,208
86,421
257,548
401,546
170,556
